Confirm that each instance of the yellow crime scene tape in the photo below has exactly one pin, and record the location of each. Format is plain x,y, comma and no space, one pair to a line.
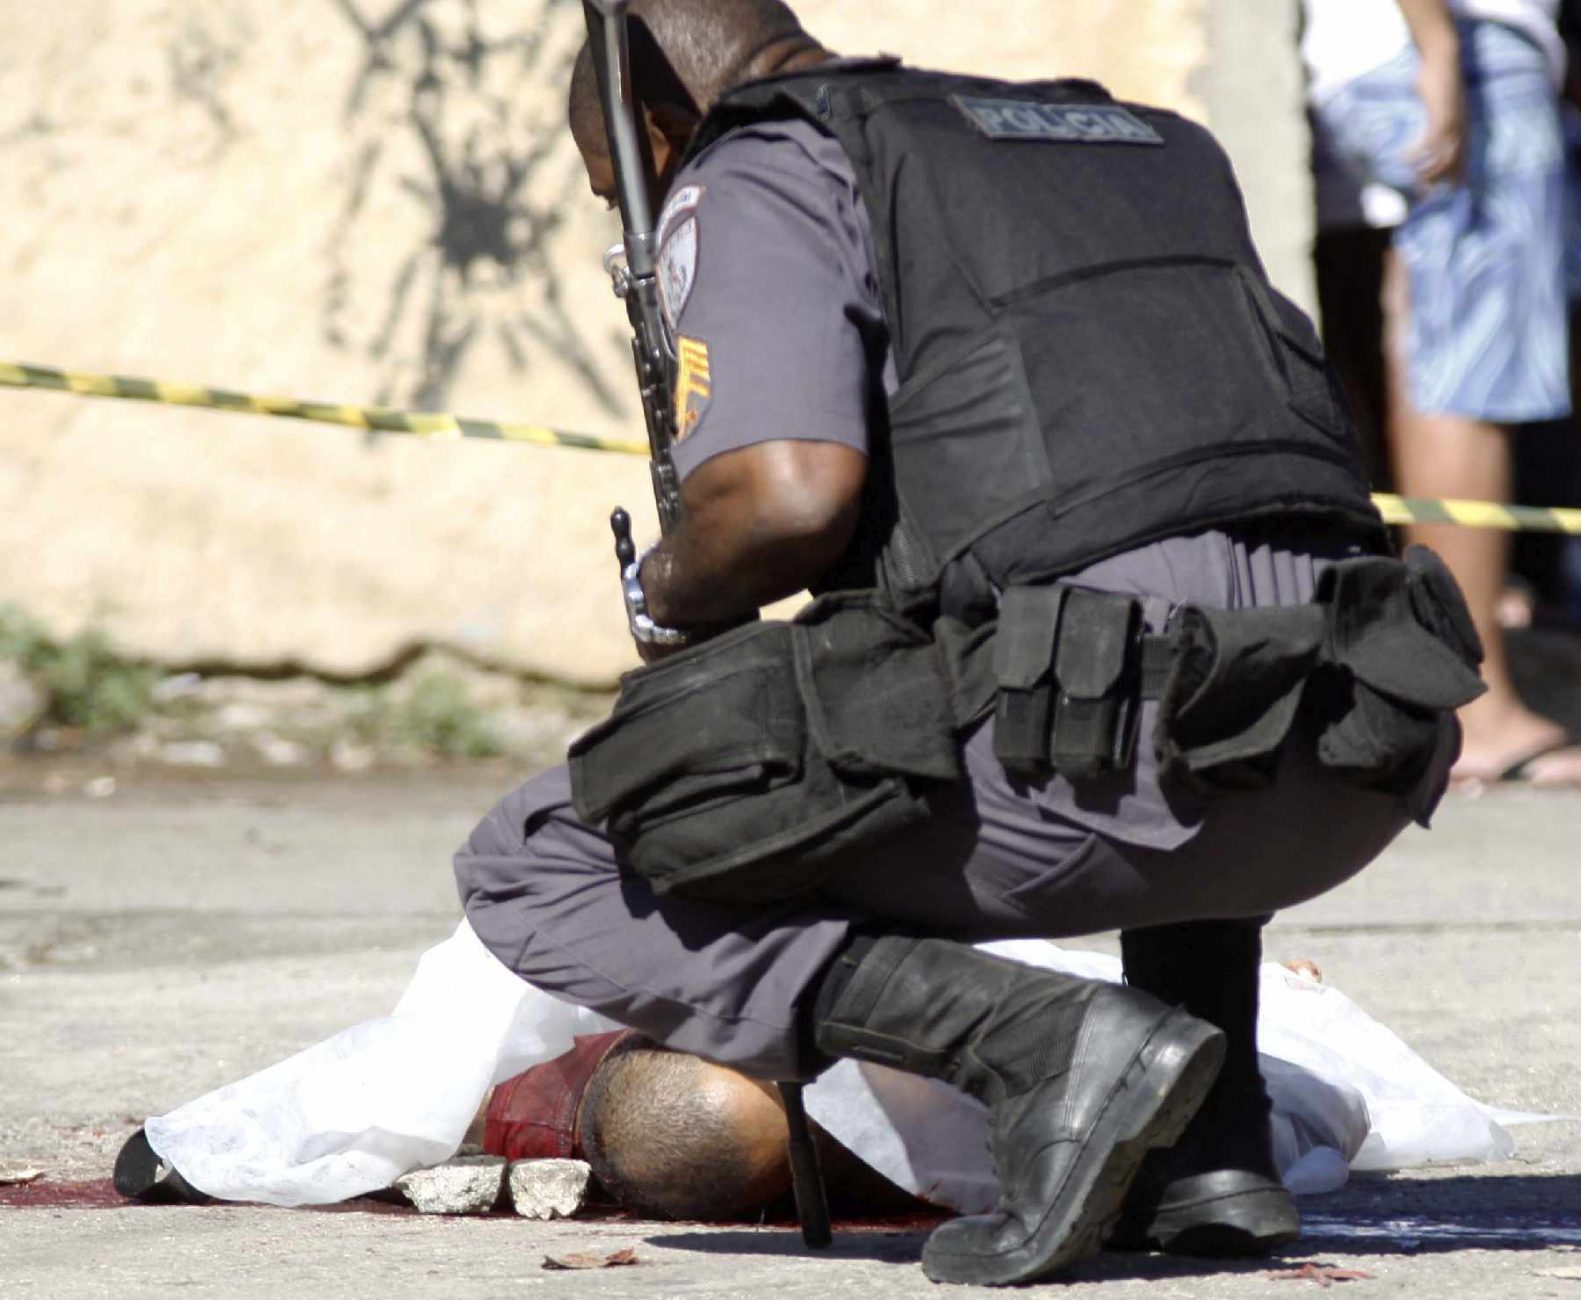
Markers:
1395,509
373,418
1477,514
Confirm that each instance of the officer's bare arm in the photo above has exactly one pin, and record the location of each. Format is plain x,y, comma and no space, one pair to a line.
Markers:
761,523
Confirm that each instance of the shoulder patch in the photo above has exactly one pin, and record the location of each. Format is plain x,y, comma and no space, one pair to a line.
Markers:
694,385
680,204
1020,119
677,259
677,271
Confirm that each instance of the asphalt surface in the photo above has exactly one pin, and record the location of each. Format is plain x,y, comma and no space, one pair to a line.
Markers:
178,933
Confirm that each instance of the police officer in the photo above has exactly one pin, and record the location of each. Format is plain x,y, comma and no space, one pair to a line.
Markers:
1116,645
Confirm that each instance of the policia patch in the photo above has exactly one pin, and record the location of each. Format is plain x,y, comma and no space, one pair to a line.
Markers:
1020,119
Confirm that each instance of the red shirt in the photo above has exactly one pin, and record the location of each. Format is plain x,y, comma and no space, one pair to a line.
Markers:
534,1116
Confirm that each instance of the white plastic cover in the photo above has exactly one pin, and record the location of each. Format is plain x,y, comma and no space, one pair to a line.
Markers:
353,1113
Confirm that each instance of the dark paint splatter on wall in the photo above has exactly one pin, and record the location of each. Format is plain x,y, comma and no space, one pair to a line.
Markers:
493,191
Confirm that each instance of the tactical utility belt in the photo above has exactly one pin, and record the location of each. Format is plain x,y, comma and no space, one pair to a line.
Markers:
747,769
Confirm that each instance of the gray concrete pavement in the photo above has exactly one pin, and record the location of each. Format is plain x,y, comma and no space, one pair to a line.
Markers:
178,934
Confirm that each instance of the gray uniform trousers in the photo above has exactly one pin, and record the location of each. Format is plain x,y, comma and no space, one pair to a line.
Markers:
547,895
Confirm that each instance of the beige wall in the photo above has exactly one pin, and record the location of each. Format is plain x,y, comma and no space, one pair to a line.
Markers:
252,193
278,195
1252,87
1141,49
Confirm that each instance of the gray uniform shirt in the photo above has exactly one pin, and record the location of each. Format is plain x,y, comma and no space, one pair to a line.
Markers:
767,276
770,287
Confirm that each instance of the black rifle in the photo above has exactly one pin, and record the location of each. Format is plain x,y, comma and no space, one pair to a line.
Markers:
632,267
636,281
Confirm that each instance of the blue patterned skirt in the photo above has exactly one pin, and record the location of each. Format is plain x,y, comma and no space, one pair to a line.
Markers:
1486,257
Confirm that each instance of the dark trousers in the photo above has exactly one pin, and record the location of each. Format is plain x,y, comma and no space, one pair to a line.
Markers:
548,896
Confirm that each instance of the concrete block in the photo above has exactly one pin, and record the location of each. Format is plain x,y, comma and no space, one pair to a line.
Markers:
549,1189
468,1185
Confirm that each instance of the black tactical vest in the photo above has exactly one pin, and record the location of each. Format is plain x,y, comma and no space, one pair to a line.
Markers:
1090,354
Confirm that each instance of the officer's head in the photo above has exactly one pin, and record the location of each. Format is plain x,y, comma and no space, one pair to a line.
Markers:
684,55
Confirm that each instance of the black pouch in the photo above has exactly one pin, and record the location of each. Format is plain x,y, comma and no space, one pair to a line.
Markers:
1097,662
1379,663
1232,693
1024,668
744,770
1067,661
1403,655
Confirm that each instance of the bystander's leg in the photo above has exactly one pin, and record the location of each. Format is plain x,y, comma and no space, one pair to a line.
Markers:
1446,455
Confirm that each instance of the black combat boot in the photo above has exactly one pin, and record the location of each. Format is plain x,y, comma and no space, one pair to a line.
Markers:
1081,1078
1217,1192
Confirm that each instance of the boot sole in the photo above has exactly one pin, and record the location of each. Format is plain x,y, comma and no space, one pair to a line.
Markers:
1235,1224
1156,1098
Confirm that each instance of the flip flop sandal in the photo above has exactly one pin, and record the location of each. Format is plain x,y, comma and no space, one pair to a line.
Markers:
1520,771
142,1176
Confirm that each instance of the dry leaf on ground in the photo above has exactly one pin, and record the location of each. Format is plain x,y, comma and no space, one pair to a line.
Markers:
619,1259
18,1175
1322,1274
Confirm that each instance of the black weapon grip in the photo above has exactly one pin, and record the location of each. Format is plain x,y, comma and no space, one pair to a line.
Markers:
625,548
812,1201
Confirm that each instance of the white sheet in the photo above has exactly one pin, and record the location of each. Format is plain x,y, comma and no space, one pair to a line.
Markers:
350,1115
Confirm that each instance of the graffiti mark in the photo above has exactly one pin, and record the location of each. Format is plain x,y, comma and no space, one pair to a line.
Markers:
200,60
450,115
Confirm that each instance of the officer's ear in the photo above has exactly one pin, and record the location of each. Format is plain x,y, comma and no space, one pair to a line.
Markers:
668,106
670,130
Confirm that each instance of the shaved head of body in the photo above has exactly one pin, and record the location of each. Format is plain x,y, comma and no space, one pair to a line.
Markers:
685,54
673,1136
677,1137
